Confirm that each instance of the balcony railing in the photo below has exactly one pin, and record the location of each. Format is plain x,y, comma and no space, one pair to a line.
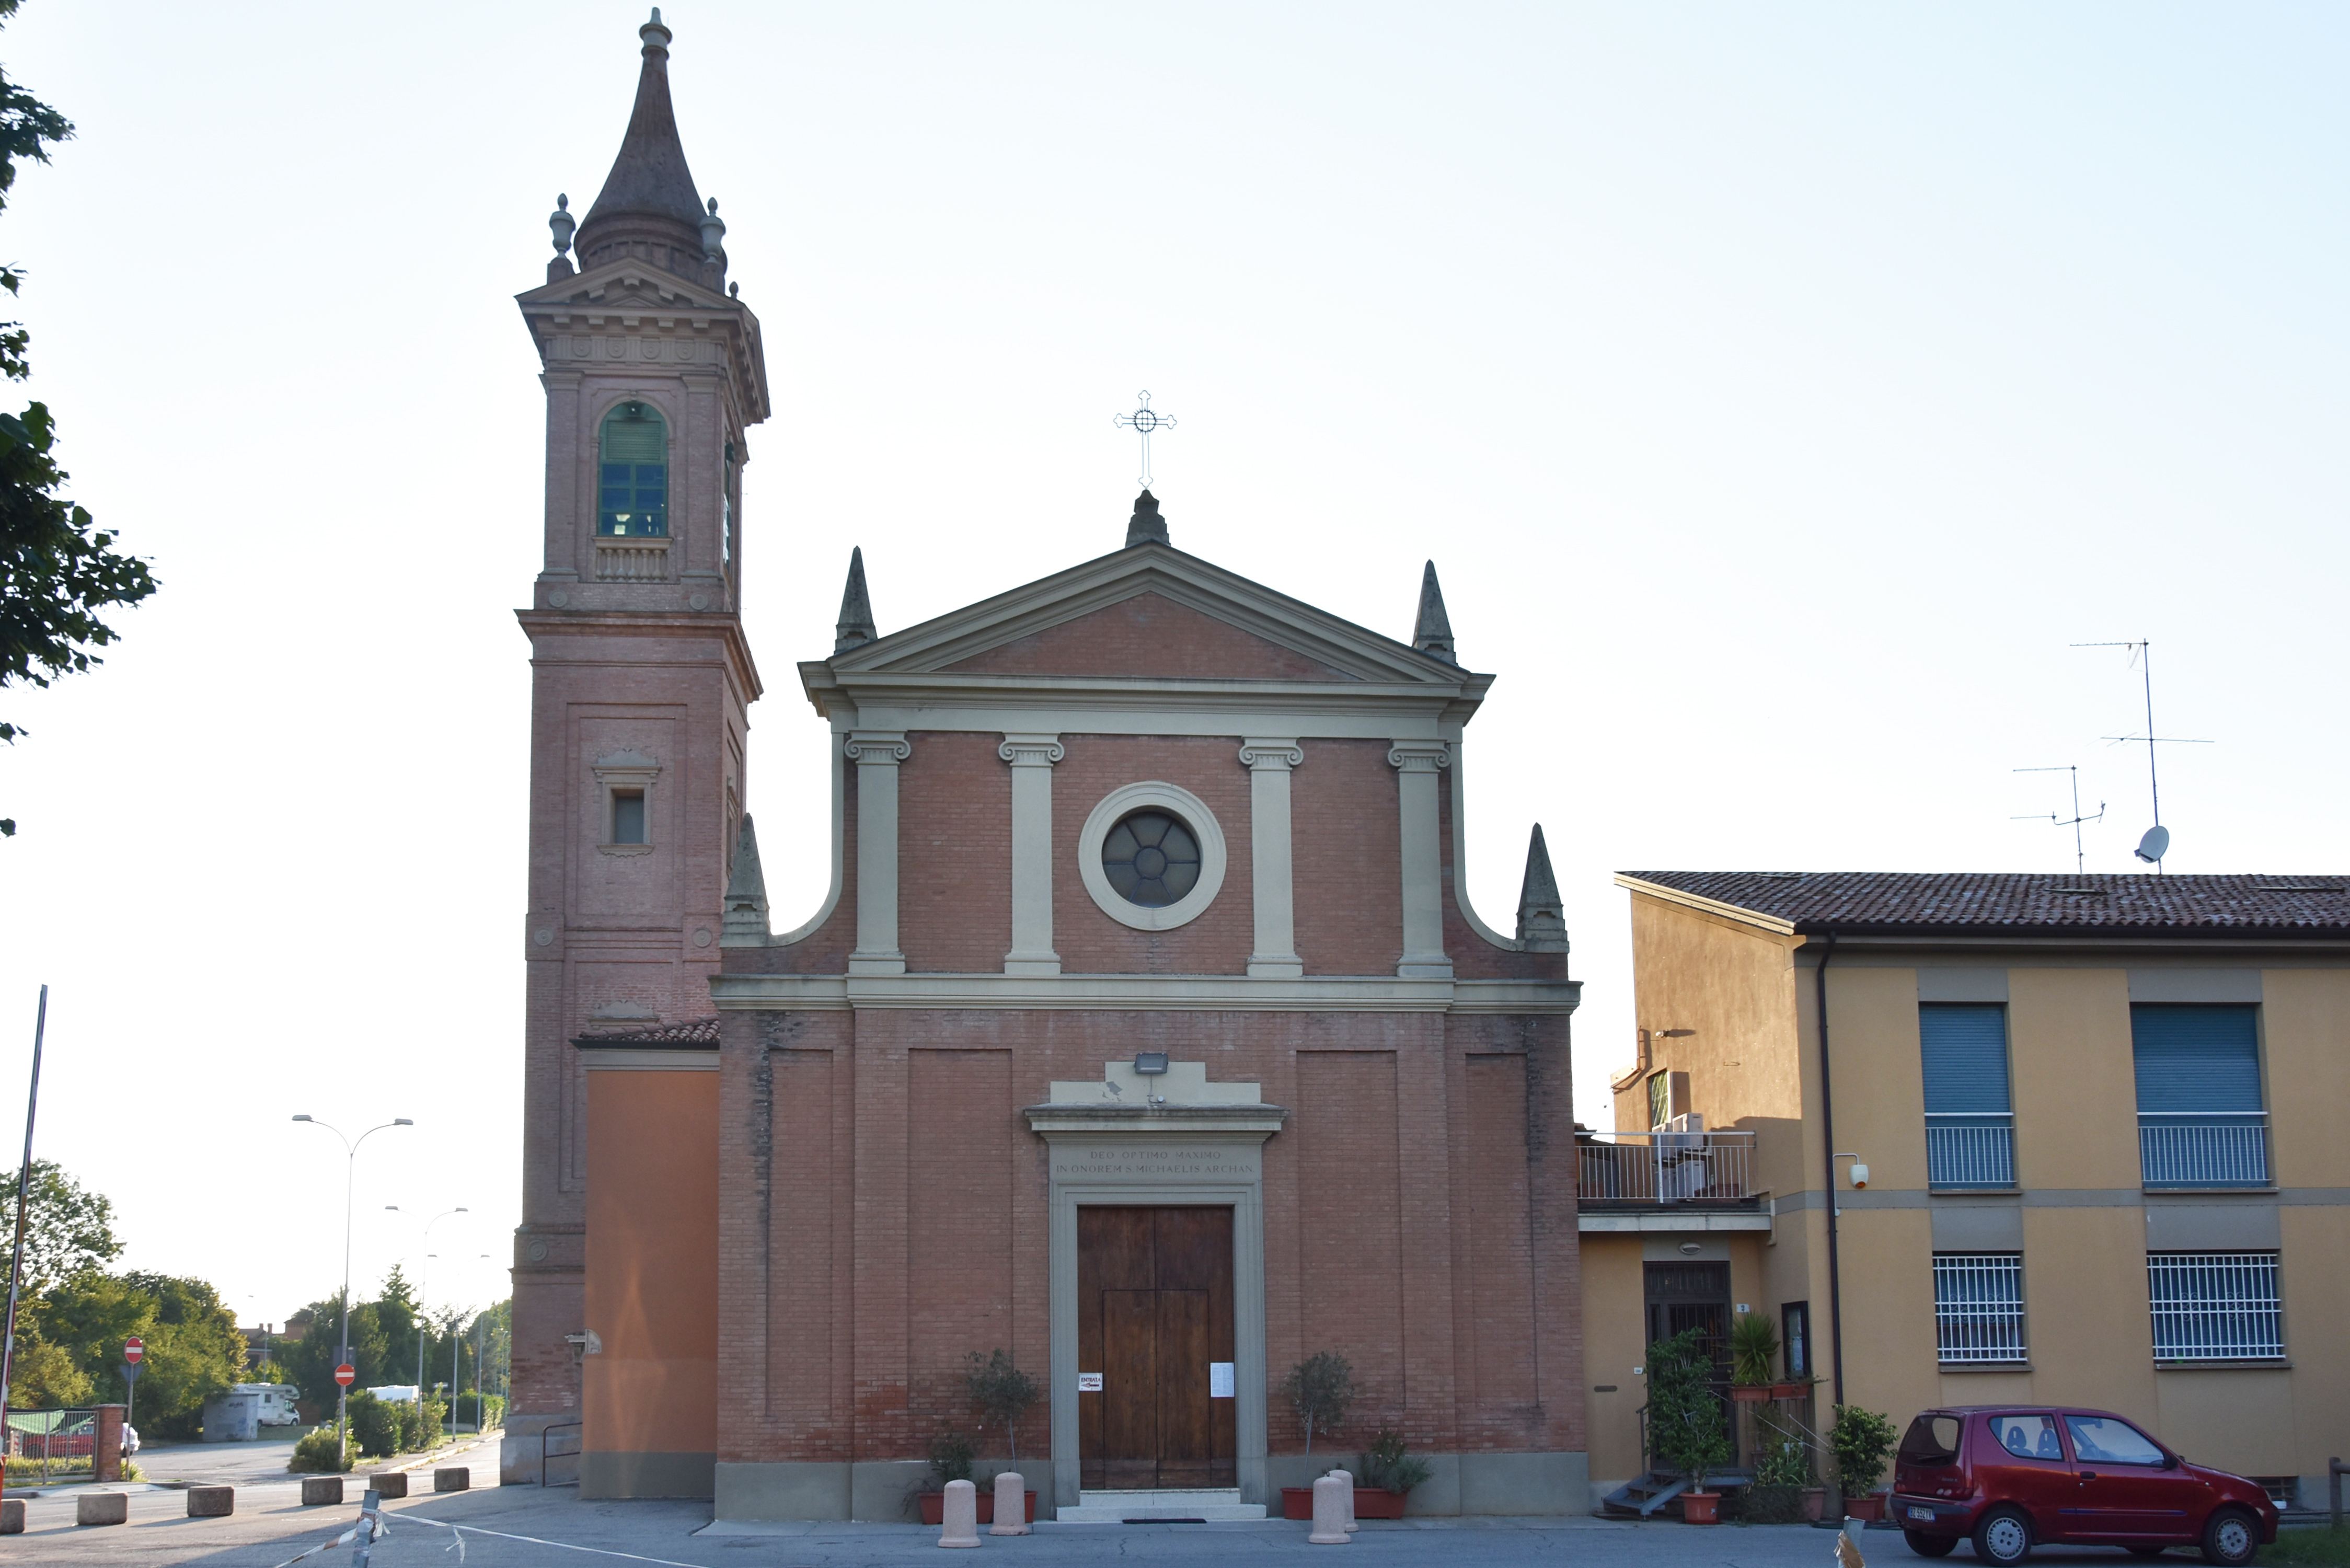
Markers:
2204,1149
1660,1167
1967,1153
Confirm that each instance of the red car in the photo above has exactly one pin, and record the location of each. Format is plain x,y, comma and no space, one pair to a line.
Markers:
2011,1477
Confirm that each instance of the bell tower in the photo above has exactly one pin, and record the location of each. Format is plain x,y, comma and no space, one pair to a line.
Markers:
642,685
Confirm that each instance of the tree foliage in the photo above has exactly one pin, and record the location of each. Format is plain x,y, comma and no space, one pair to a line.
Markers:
194,1348
68,1229
1320,1388
1686,1429
57,569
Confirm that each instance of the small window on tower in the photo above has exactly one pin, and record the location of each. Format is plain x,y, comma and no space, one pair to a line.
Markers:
628,817
632,487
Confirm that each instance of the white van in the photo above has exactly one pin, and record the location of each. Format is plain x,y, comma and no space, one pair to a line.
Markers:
274,1404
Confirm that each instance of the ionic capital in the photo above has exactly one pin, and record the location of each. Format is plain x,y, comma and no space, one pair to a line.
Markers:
1030,751
1263,757
884,748
1420,756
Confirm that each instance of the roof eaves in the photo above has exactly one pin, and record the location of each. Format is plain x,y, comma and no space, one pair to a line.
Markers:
1744,916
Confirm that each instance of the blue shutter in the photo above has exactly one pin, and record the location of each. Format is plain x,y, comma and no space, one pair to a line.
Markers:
1965,1047
2196,1058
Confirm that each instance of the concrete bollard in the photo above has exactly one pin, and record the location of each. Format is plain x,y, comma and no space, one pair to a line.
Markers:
1011,1506
961,1518
321,1491
12,1516
1329,1512
102,1508
452,1478
389,1483
211,1501
1347,1477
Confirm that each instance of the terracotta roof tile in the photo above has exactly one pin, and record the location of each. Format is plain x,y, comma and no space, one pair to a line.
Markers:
2248,904
693,1032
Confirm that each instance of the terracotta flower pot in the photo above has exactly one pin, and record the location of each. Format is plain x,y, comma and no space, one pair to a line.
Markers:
1815,1502
1868,1510
1370,1503
1789,1390
1702,1508
1297,1502
1750,1393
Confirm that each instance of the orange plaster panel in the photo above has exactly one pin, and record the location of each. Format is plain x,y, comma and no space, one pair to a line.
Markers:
652,1262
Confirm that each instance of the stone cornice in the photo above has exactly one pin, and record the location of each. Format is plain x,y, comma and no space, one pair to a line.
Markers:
632,299
1255,1122
723,626
1144,993
1305,710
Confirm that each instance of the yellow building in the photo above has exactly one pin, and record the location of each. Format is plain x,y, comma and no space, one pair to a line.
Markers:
1975,1139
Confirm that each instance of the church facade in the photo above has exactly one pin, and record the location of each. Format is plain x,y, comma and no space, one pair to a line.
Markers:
1144,1033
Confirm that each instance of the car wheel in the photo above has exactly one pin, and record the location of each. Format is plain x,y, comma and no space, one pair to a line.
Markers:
2230,1538
2003,1536
1926,1546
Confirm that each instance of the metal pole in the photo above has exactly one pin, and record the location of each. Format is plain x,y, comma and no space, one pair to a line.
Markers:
23,1199
343,1358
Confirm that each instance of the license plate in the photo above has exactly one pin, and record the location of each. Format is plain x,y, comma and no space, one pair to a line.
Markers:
1925,1513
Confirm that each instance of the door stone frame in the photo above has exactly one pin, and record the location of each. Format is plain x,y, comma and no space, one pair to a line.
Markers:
1159,1157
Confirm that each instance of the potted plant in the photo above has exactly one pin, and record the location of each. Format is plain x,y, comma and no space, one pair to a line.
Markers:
1001,1394
1385,1476
1782,1491
1320,1388
1753,1347
951,1453
1861,1440
1685,1424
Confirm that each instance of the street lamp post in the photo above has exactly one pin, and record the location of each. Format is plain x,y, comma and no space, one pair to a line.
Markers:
423,1275
350,1173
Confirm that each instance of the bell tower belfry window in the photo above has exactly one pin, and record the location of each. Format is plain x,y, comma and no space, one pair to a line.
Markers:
632,473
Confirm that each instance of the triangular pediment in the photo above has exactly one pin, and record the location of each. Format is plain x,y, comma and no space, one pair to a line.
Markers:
1149,612
626,283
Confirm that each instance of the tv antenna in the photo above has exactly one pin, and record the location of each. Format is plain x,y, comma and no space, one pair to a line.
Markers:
2080,855
2157,842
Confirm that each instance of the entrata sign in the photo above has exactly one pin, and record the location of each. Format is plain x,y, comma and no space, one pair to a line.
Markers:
134,1350
347,1374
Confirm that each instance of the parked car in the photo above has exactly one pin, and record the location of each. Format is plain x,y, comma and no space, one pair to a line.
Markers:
2011,1477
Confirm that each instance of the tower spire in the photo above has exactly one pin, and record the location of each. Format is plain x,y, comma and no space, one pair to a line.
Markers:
1541,914
648,207
1433,634
855,625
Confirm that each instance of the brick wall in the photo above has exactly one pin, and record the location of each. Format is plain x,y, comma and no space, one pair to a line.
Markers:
1146,636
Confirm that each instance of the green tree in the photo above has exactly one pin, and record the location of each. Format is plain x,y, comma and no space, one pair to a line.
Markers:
401,1315
1686,1429
57,570
193,1352
68,1229
43,1376
310,1361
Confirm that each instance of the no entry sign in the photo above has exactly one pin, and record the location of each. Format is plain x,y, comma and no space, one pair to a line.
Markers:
347,1374
134,1350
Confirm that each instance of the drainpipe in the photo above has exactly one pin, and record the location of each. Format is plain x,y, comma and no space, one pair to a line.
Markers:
1827,1131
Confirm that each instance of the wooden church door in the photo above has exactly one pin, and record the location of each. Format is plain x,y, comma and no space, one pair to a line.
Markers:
1154,1324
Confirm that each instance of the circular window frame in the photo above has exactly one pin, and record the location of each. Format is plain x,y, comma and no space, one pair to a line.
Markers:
1180,803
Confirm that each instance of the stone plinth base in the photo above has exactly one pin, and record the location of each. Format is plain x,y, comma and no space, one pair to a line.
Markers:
102,1508
211,1501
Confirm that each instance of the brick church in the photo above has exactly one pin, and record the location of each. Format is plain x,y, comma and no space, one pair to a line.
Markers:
1144,1032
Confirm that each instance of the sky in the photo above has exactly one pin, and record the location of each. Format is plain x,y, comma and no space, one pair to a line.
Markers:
1781,392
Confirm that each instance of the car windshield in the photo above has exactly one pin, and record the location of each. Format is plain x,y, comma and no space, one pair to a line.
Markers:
2104,1440
2028,1436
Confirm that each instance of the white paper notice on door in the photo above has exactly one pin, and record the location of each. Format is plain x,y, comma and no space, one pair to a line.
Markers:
1220,1380
1089,1382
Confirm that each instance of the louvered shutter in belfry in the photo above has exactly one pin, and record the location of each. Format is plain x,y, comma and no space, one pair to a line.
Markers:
1965,1048
2196,1057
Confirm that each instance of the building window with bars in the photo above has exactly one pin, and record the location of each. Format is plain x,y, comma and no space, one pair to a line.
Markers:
2215,1306
1979,1307
2202,1121
1969,1116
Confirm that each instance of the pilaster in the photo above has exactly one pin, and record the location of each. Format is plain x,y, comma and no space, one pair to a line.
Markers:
1032,758
1275,952
1416,763
876,755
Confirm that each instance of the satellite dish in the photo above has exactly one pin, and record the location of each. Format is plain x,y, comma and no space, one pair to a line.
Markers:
2154,846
